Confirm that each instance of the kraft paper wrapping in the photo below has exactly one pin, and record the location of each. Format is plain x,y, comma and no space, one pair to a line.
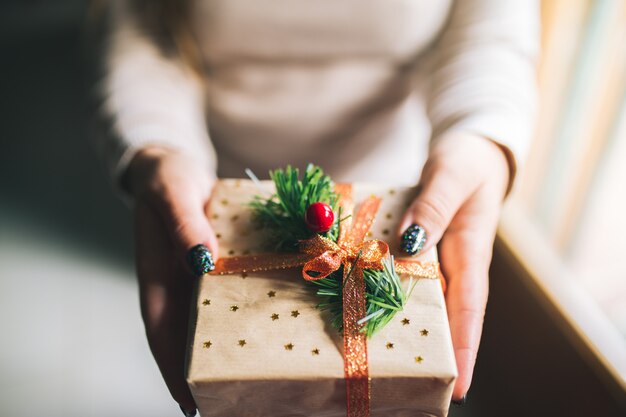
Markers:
259,347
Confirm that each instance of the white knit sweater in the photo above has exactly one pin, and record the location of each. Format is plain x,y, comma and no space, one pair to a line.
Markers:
357,86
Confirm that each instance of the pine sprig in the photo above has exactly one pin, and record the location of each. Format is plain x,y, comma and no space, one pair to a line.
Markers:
282,214
282,217
384,297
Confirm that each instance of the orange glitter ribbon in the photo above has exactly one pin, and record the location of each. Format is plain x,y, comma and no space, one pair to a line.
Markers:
354,253
355,363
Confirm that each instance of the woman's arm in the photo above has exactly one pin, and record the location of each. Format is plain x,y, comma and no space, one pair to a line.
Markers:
151,95
160,154
481,105
483,80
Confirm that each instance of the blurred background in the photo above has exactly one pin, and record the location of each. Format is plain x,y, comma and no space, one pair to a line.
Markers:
72,342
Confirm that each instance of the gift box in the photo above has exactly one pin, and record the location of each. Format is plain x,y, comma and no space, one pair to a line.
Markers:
260,347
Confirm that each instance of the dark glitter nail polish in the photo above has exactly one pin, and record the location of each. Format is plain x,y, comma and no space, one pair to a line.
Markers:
461,402
200,260
185,412
413,239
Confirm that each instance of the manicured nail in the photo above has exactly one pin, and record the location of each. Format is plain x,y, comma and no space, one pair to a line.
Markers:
413,239
187,413
461,402
200,260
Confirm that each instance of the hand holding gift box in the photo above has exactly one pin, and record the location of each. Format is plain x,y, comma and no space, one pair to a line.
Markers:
261,348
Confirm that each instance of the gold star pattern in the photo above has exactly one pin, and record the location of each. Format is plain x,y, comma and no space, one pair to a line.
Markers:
419,359
392,191
405,321
234,308
207,344
234,218
388,216
242,342
271,294
206,302
289,346
295,313
315,352
218,236
224,202
389,345
424,332
215,216
274,317
386,232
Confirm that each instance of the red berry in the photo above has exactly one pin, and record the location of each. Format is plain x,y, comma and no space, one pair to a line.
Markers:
319,217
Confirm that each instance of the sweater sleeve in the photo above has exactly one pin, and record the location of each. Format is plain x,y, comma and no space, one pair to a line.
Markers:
483,80
151,98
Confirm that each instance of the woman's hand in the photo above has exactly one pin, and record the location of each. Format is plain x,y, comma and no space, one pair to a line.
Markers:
171,194
461,191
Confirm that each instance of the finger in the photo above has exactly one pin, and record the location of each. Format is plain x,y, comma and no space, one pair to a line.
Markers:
465,254
183,211
165,302
442,191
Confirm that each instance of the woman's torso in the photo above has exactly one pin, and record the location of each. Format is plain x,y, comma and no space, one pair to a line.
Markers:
323,81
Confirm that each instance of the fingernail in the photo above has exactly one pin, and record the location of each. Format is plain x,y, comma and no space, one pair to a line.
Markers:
461,402
413,239
200,260
187,413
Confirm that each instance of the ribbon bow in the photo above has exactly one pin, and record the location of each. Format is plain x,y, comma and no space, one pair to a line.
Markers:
328,256
350,248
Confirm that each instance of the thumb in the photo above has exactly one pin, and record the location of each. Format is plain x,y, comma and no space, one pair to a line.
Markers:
442,191
190,231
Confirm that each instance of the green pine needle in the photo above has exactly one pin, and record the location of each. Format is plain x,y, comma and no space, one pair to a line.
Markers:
383,291
282,214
